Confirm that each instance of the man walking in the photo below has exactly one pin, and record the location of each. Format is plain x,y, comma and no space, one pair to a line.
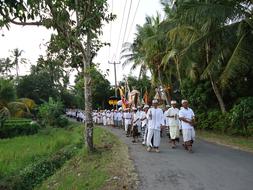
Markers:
187,117
155,122
173,113
128,121
144,124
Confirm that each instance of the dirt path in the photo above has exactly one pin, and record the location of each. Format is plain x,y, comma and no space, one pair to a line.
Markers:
210,167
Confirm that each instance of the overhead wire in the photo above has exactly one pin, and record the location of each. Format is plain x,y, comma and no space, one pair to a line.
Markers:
121,26
129,11
110,35
131,26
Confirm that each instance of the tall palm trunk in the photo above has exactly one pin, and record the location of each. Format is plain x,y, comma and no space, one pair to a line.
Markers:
178,71
214,85
161,84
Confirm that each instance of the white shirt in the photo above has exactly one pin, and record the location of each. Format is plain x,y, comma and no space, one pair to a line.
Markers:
155,118
187,114
119,116
144,120
136,119
173,112
138,114
128,118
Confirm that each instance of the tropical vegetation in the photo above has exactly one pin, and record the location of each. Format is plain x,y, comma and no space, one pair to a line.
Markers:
202,50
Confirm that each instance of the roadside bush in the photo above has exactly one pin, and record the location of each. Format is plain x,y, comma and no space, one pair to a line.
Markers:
34,174
50,113
213,120
62,121
241,115
13,128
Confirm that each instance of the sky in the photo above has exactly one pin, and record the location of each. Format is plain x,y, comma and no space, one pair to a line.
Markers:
32,39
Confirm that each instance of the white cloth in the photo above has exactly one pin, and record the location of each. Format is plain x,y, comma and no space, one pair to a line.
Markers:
138,115
188,114
128,119
174,132
144,119
119,116
188,134
156,137
155,118
174,112
166,118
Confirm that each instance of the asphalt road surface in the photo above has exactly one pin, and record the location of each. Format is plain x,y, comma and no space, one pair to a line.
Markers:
210,167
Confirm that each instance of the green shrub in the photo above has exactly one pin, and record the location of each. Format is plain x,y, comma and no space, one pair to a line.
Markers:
213,120
62,121
50,113
13,128
34,174
241,115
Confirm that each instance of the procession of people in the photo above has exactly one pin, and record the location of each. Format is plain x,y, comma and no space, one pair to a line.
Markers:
147,124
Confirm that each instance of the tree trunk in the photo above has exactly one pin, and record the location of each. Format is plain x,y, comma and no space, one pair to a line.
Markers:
218,95
88,98
178,72
160,81
214,85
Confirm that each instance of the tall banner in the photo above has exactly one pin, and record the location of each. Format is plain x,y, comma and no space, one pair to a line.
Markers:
123,99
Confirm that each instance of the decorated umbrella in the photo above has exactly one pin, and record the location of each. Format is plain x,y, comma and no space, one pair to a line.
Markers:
113,100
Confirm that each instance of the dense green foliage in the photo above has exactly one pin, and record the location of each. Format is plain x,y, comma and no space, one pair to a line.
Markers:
50,113
13,128
101,90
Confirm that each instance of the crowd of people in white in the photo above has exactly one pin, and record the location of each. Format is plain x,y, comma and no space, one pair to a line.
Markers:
147,123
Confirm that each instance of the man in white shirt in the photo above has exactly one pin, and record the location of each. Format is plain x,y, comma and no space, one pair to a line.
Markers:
144,124
187,117
173,120
108,117
166,120
128,121
104,117
119,118
135,130
155,122
139,110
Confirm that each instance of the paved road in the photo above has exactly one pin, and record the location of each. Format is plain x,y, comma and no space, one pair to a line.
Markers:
210,167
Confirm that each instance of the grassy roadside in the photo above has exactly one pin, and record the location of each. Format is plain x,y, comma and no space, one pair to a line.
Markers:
109,168
241,143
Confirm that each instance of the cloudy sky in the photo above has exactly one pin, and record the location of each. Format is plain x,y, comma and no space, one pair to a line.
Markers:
32,39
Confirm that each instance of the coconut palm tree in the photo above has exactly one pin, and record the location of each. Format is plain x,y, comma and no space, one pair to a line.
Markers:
224,32
17,60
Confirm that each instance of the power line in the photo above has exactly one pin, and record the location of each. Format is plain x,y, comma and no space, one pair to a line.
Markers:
129,11
109,53
121,26
131,26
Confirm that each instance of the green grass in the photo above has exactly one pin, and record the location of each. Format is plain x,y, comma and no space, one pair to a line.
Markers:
96,170
16,153
237,142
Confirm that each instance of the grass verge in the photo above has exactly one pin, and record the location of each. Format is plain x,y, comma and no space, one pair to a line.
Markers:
241,143
16,153
109,168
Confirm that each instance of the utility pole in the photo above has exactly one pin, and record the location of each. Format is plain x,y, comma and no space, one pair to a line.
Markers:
115,75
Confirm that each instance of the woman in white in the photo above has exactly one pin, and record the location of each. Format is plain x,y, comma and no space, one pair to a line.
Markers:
173,120
187,118
155,122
